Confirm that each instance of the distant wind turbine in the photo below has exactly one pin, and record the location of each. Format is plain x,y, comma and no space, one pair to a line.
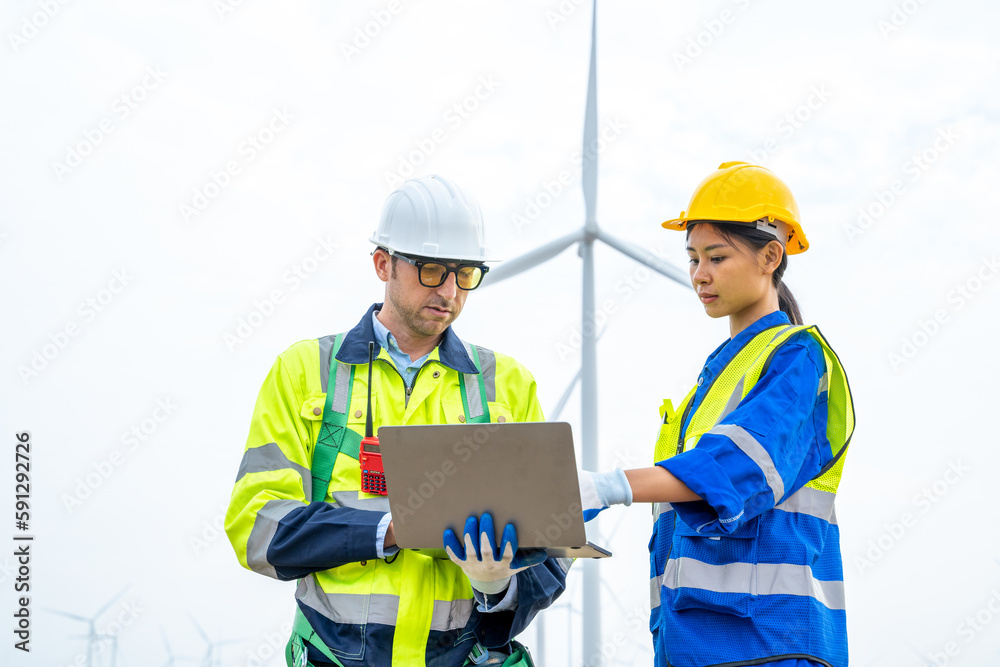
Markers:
95,638
209,659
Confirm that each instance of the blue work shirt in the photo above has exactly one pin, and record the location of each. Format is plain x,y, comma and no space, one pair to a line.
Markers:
735,528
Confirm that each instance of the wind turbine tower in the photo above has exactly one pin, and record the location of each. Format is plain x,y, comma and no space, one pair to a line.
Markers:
584,238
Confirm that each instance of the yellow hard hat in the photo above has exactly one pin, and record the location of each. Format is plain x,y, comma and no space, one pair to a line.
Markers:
743,192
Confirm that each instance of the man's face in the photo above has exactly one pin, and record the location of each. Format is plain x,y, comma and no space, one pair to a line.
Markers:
423,311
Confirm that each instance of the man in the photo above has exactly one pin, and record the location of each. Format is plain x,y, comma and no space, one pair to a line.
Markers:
298,510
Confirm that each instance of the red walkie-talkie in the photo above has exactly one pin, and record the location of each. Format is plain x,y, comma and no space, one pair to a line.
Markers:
372,473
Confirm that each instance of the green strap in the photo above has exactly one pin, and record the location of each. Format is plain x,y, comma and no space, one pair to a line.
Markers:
519,656
485,417
334,431
302,629
334,438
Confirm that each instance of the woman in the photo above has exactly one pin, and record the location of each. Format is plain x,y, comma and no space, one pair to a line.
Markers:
745,553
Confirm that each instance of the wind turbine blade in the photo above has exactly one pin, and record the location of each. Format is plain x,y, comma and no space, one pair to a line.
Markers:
589,176
200,631
565,397
166,644
112,601
67,614
532,258
643,256
569,389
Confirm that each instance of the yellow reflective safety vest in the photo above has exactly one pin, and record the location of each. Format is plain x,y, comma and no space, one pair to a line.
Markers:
408,609
771,579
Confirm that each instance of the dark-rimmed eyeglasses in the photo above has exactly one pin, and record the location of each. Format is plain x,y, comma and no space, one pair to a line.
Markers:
433,273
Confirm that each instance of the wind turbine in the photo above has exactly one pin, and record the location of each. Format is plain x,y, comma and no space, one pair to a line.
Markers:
171,658
209,659
584,238
95,638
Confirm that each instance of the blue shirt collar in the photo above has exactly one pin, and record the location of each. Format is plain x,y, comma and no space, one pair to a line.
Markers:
383,337
725,352
354,349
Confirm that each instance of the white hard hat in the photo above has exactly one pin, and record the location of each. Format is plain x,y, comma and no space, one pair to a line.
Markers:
432,217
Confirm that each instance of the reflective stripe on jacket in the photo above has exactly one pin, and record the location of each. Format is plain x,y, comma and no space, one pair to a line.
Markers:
756,564
411,609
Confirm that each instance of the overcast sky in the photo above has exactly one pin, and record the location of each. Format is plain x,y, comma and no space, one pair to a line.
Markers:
188,189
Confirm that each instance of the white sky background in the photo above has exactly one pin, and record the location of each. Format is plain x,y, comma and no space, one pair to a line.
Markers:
886,99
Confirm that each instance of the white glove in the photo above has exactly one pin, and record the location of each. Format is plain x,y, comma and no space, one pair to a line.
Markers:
489,570
601,490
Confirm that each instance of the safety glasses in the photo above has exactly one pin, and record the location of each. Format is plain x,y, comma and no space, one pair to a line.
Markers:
433,273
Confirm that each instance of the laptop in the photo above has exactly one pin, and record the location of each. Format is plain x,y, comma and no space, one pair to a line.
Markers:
439,475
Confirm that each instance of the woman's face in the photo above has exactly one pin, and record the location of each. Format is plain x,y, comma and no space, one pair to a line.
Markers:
732,281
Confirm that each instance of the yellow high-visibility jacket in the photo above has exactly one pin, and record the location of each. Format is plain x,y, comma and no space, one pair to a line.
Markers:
405,610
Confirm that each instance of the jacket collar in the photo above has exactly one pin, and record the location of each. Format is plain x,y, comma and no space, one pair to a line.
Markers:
728,350
354,349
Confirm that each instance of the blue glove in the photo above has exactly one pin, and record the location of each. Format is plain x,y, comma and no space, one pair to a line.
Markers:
489,569
600,490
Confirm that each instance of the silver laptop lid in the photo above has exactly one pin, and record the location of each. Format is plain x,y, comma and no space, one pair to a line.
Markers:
521,473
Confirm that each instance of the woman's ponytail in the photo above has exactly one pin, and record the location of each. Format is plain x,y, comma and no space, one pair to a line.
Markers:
786,302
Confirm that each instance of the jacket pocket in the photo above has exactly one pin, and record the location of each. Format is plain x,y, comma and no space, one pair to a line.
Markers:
312,414
714,572
347,605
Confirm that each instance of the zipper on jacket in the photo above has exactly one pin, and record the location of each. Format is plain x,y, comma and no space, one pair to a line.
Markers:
408,388
682,430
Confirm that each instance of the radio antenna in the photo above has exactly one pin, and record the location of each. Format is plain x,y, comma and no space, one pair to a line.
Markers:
368,422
